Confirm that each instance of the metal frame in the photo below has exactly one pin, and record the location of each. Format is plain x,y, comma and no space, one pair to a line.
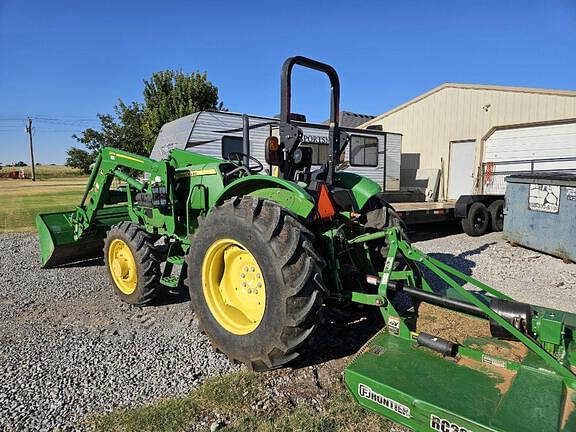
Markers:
413,277
290,135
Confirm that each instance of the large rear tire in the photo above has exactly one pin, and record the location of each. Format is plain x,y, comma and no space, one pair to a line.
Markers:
132,262
262,313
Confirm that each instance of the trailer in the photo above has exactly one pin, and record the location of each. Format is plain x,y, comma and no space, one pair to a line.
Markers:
477,213
524,149
373,154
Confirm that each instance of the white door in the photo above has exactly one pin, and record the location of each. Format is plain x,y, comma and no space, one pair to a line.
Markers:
461,170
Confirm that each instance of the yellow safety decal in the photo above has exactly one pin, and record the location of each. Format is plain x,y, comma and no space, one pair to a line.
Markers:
209,171
112,155
196,173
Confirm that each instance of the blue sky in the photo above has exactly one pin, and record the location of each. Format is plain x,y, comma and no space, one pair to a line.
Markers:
62,62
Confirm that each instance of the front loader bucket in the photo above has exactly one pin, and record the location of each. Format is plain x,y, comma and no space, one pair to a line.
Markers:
56,236
57,244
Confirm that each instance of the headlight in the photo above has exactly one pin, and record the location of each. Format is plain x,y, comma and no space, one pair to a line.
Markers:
297,156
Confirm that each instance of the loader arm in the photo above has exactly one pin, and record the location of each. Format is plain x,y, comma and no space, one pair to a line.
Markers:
78,234
111,164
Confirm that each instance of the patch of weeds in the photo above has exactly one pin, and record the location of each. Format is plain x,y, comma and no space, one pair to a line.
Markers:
233,397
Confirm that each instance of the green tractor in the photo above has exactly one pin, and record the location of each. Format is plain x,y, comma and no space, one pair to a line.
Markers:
264,255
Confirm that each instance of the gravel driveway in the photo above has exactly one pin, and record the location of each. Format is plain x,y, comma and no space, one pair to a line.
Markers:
69,347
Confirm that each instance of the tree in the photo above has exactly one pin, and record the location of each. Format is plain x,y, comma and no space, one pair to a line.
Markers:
82,159
123,131
21,164
168,95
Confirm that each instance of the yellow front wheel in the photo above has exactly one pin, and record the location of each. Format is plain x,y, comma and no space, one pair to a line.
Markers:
234,287
122,266
134,269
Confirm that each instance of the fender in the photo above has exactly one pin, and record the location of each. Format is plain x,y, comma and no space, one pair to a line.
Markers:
287,194
361,187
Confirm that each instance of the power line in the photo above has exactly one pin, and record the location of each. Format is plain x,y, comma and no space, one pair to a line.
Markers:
46,116
52,121
48,124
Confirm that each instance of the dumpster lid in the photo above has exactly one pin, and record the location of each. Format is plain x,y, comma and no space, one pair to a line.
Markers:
549,177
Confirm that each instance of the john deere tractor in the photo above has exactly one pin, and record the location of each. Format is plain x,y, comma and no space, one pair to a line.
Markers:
263,255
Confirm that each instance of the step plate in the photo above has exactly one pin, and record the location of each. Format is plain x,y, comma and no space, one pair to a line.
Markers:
422,390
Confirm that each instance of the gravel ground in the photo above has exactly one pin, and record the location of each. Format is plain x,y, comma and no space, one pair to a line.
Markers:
523,274
69,347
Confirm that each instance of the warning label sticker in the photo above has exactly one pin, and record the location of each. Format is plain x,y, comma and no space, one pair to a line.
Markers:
571,193
544,198
394,325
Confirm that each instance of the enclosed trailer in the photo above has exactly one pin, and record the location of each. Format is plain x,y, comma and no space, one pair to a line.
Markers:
370,153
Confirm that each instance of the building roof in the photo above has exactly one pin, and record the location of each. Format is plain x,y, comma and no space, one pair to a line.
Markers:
532,90
351,120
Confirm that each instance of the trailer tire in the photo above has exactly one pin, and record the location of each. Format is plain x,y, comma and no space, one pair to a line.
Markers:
280,250
496,210
133,263
477,222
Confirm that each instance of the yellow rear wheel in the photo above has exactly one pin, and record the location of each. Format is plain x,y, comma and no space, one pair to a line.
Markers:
233,286
255,282
122,266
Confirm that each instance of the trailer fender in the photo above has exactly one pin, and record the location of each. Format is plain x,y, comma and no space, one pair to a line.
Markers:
465,202
287,194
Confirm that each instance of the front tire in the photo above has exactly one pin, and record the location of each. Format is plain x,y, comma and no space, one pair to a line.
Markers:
132,262
262,313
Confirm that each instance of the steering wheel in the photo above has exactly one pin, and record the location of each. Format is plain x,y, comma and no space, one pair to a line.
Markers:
237,159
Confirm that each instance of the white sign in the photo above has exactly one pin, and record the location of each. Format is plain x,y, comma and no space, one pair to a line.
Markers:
367,393
442,425
571,193
544,198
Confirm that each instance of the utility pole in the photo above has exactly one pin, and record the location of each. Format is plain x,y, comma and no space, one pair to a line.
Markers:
29,132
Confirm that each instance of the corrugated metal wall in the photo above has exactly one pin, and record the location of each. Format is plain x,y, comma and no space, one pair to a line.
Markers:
507,149
458,113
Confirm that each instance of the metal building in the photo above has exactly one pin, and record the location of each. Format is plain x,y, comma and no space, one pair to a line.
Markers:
453,134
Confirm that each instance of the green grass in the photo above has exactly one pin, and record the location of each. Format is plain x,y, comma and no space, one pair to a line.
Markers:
45,172
21,200
232,396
